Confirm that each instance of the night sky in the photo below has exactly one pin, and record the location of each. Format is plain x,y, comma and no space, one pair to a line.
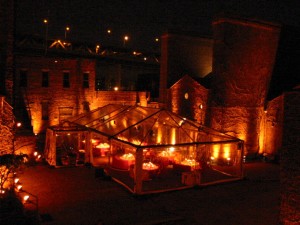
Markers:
142,21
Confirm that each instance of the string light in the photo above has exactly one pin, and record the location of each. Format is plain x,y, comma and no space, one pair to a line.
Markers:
25,198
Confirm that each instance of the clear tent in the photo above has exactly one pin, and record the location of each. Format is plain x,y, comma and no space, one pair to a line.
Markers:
152,150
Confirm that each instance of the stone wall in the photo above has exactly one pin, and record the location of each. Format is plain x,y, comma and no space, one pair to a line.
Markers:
6,127
241,122
244,54
189,99
26,144
183,54
6,48
273,126
290,161
64,102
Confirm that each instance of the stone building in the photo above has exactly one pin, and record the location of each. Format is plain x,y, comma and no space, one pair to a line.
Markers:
6,127
6,76
252,64
45,81
290,159
189,98
65,82
183,54
244,58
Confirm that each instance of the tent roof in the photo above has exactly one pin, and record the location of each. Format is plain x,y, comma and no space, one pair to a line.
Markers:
145,126
67,126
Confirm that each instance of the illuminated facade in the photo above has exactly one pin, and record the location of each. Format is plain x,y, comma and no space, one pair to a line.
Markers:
238,98
183,54
244,57
187,97
63,83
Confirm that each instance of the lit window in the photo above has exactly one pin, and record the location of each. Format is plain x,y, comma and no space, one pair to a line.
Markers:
186,95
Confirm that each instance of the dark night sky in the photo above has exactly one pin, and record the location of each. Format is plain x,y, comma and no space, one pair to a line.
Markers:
143,20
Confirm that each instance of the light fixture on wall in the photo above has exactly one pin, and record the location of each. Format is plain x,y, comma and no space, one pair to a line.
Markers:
186,95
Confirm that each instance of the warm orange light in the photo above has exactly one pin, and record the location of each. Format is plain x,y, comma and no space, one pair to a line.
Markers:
45,21
149,166
216,151
173,136
25,198
126,38
226,150
103,145
19,187
93,141
109,31
19,124
128,156
136,142
122,138
190,162
16,180
156,39
116,88
159,135
67,28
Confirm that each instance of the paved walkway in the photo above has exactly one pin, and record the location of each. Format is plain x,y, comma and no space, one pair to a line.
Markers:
73,196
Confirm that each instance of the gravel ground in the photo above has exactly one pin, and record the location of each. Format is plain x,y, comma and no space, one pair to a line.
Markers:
74,196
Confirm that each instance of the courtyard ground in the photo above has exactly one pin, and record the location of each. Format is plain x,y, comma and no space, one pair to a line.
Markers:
75,196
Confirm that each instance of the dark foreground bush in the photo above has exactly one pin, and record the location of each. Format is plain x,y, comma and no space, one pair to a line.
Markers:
12,211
